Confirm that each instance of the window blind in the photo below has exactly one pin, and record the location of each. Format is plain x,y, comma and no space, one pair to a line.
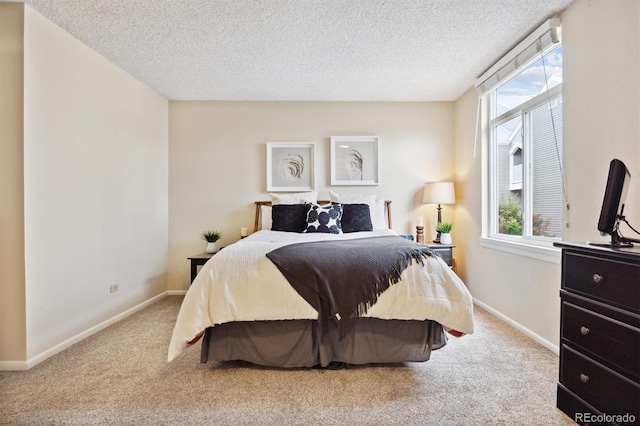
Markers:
526,52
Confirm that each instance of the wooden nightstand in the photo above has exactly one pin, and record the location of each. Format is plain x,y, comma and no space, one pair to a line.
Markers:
445,251
198,260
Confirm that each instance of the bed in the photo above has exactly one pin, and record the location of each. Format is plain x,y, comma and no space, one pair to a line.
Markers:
243,304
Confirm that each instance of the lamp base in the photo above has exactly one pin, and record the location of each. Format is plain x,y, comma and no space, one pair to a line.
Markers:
437,240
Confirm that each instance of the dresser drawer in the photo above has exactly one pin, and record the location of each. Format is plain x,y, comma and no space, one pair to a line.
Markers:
607,280
613,341
597,385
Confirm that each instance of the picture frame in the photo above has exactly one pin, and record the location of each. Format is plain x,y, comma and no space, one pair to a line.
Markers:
355,160
291,166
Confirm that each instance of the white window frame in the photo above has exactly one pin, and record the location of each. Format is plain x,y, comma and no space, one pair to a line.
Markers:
523,111
525,245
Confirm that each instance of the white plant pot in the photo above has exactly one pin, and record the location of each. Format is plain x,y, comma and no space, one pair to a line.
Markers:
212,247
445,238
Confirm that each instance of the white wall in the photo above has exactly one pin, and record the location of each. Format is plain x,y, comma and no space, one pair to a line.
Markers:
602,108
522,290
217,161
601,121
96,167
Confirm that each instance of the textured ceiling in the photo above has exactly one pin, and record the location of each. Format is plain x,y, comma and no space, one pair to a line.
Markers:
328,50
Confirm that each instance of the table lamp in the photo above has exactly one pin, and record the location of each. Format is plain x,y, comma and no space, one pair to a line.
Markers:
439,193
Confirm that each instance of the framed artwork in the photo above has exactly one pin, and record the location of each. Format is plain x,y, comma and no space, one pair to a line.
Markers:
291,166
354,160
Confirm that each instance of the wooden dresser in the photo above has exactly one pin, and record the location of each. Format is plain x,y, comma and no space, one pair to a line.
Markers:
600,334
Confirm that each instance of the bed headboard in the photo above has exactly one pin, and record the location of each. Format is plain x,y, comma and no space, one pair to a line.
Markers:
259,204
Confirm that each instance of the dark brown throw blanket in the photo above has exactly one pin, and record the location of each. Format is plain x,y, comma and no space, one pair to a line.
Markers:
343,279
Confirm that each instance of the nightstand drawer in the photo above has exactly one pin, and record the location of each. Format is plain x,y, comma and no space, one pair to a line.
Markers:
199,260
613,341
597,385
607,280
444,253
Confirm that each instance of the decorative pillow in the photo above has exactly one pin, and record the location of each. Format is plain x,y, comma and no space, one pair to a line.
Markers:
356,218
289,217
377,208
294,198
324,219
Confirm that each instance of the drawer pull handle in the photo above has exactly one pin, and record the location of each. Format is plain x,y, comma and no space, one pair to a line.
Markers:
597,278
584,330
584,378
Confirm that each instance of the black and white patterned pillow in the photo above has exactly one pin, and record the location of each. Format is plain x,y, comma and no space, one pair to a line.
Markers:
289,217
324,219
356,218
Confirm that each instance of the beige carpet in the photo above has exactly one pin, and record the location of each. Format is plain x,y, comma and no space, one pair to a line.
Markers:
121,376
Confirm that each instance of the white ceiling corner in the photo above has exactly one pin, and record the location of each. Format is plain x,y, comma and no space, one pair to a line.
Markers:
292,50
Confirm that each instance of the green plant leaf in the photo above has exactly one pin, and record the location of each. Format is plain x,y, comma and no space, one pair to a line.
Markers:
211,235
444,227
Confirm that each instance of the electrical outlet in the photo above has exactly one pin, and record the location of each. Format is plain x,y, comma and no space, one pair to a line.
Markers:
114,287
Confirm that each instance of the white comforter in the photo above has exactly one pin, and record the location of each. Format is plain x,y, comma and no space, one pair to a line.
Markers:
240,283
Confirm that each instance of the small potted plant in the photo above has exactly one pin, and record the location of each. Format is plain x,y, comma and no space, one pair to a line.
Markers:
211,237
444,228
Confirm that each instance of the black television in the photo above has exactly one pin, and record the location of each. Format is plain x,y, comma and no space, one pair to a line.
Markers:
612,211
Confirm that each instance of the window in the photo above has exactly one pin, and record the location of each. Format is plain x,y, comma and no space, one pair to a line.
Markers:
524,122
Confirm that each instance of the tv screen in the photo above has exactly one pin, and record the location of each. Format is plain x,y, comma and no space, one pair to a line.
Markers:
614,198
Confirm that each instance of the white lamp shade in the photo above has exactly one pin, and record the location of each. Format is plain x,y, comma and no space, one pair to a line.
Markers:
439,193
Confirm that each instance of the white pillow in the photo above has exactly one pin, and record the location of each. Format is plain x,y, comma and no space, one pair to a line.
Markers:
265,217
352,198
378,215
376,207
294,198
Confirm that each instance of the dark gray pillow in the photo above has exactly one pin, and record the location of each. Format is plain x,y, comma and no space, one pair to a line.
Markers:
289,217
356,218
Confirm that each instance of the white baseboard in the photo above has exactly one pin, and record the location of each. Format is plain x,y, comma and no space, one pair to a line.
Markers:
25,365
544,342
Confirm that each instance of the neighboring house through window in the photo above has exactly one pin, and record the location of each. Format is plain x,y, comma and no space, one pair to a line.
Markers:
522,100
